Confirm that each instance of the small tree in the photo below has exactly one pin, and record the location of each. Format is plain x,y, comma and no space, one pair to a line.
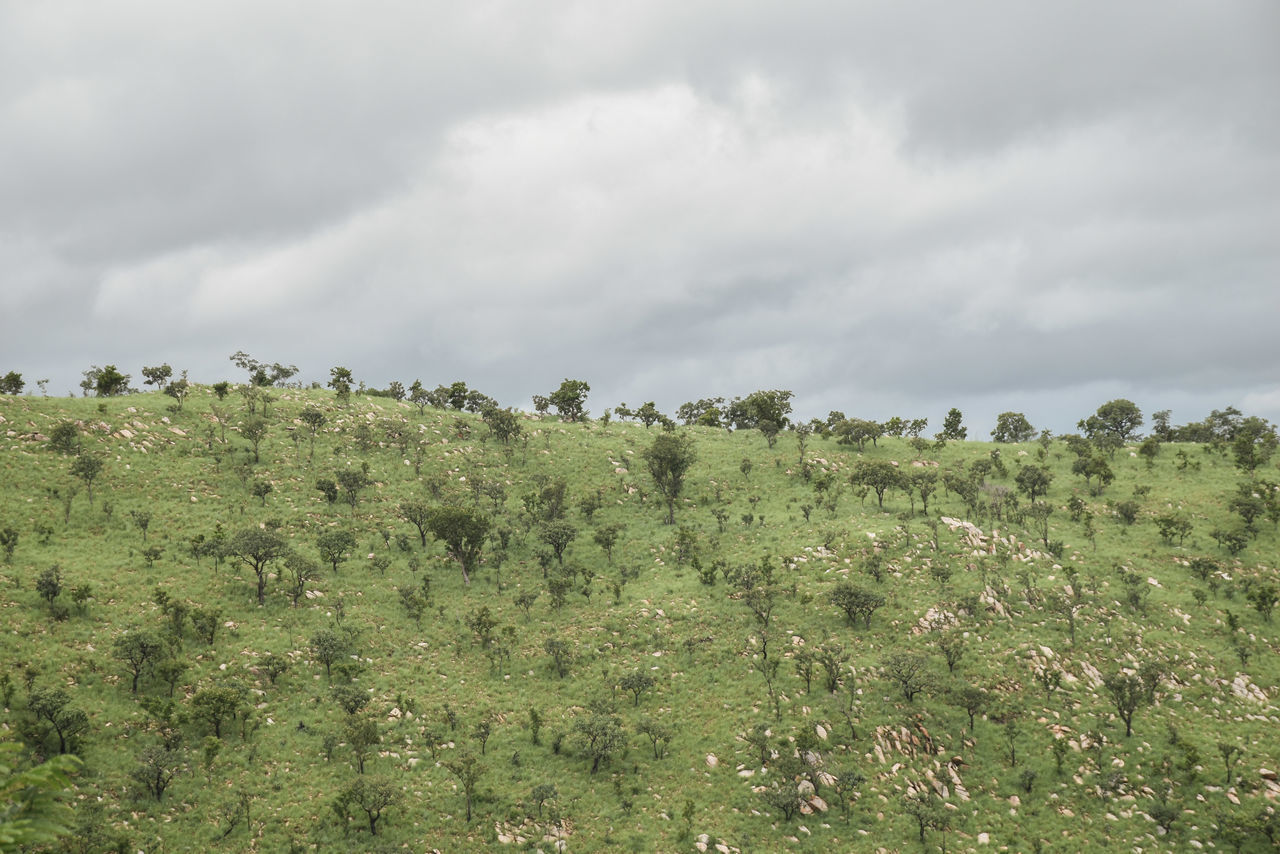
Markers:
880,476
157,376
335,546
138,649
659,735
299,572
463,532
12,383
314,419
558,535
669,459
907,669
856,602
86,467
1034,480
952,426
372,796
352,481
215,705
600,733
468,770
64,438
1012,427
1128,694
258,547
606,537
51,705
570,399
327,647
636,683
340,380
156,768
254,429
49,585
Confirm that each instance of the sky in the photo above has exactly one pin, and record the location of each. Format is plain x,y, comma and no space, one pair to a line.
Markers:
889,208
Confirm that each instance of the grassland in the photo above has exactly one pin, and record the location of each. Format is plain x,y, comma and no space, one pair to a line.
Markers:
722,613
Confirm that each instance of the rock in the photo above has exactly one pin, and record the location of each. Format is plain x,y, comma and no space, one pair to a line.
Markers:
1268,774
821,731
984,838
712,762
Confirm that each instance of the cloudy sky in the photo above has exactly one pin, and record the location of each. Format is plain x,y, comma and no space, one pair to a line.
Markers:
890,208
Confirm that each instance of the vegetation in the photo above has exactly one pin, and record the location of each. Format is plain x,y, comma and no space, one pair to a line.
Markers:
492,628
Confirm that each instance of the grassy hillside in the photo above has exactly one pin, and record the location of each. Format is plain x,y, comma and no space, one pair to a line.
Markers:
677,667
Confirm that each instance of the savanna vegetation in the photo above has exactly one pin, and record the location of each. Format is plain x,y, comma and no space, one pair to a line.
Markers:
262,616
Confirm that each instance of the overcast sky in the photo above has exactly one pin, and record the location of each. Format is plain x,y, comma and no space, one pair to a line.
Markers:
889,208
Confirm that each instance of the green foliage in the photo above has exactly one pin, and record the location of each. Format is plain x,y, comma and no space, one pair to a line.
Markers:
32,811
669,459
1011,428
570,399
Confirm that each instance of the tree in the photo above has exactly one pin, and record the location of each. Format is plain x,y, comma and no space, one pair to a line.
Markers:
706,412
908,670
765,411
156,768
49,585
857,431
179,389
214,705
600,733
879,475
558,535
659,735
31,812
1034,481
52,706
648,414
463,532
360,733
1012,427
260,373
371,795
669,459
340,380
952,426
503,424
416,513
1093,466
328,646
257,547
104,382
1254,443
138,649
636,683
11,383
606,537
1115,422
856,602
570,399
87,467
157,376
300,570
64,438
468,770
254,429
352,481
419,396
314,419
1128,693
334,546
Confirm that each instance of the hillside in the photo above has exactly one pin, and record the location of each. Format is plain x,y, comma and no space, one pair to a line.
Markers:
790,666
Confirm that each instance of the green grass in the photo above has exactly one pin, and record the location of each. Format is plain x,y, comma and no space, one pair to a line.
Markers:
699,642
